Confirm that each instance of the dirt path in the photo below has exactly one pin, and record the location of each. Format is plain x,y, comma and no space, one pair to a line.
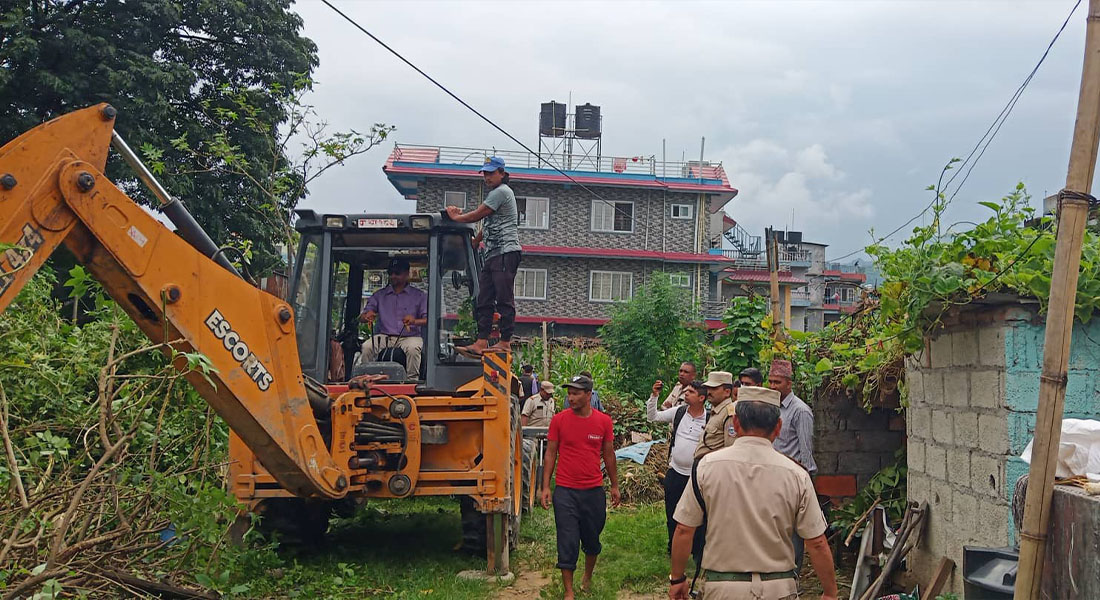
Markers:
527,585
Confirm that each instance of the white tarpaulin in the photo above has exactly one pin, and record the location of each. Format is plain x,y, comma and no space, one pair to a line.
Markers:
1078,450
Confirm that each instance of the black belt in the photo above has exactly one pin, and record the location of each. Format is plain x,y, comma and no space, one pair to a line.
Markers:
729,576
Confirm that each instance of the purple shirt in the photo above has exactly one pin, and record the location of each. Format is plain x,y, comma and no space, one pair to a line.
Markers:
392,308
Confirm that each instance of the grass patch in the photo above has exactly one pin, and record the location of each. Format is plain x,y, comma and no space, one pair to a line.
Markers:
633,556
405,549
390,549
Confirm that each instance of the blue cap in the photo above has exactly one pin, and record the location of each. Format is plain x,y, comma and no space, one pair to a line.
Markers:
492,164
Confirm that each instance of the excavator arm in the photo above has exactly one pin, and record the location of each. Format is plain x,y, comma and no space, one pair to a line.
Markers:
53,191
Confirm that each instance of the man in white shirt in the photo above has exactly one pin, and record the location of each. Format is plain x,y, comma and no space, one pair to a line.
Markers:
688,421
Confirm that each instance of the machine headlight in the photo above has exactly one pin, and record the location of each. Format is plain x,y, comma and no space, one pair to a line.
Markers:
336,222
420,222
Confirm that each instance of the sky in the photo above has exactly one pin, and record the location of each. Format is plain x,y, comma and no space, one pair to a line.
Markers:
830,118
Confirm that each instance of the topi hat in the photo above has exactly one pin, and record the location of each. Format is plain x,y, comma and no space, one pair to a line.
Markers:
718,378
782,368
546,385
751,393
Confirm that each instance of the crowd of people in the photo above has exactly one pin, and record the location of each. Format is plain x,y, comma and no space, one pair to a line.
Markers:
747,460
739,495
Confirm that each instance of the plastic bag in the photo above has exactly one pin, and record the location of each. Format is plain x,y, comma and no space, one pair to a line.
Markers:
1078,450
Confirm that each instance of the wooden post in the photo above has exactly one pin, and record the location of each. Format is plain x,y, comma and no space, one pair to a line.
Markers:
787,305
773,269
545,354
1072,217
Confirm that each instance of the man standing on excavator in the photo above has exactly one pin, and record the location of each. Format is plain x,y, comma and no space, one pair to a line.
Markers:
501,258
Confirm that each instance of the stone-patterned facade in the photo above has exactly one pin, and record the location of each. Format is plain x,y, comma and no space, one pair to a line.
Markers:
568,278
570,212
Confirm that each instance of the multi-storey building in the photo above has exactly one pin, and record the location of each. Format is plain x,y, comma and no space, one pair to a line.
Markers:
813,292
590,239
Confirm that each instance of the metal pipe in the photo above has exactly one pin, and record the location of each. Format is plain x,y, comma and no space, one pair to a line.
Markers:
172,208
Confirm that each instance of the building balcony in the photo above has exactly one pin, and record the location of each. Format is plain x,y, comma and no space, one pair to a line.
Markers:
837,271
800,298
787,259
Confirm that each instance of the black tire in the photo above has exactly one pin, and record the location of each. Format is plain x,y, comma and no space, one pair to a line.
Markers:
475,531
294,521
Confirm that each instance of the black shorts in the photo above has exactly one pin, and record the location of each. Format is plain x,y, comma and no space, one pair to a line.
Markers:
579,516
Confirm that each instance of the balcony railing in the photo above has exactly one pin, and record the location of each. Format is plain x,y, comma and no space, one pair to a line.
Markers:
639,165
740,261
800,296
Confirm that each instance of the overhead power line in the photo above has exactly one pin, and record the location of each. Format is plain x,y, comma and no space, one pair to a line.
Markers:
629,215
983,143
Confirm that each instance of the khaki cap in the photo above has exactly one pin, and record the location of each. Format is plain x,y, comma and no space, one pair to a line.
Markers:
751,393
718,378
546,385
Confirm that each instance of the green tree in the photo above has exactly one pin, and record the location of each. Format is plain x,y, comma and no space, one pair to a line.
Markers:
743,336
168,66
652,333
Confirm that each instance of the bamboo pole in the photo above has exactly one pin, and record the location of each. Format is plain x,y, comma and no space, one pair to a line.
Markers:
1072,217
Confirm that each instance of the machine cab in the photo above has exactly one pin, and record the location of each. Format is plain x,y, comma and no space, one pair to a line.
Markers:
342,261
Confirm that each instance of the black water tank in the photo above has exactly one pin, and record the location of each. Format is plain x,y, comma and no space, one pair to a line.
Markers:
552,119
587,121
794,237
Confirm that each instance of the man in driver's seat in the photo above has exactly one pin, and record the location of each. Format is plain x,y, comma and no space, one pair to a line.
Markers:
398,311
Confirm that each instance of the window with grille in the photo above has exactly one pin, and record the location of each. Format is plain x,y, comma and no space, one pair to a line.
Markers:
530,284
839,294
613,216
455,199
610,286
681,211
534,213
680,279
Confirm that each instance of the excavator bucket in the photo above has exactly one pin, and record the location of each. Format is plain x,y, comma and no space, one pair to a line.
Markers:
53,191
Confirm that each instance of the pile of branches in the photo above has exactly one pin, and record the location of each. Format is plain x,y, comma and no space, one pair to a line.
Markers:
640,484
95,511
111,465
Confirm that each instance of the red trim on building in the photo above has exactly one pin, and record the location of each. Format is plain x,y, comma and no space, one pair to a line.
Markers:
860,277
756,275
623,253
711,323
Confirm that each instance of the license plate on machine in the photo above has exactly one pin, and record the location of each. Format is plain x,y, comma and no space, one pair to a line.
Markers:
382,223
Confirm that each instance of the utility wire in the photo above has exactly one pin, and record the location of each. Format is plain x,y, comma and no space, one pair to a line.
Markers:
629,215
984,141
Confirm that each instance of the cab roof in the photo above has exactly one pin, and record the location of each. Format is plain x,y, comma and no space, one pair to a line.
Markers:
312,221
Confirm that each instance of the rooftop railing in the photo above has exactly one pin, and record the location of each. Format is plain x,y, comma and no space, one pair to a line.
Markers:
638,165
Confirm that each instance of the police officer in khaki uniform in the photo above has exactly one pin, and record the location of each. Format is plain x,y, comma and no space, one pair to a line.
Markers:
722,394
754,499
716,434
539,408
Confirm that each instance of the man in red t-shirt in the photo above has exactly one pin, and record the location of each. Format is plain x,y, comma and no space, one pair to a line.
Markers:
581,436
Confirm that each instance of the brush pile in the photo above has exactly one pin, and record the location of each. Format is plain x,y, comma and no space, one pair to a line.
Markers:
640,484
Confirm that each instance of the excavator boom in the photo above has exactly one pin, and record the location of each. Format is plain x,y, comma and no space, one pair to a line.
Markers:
53,191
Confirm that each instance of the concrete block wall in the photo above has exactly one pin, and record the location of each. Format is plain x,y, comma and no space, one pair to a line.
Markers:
973,393
850,442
